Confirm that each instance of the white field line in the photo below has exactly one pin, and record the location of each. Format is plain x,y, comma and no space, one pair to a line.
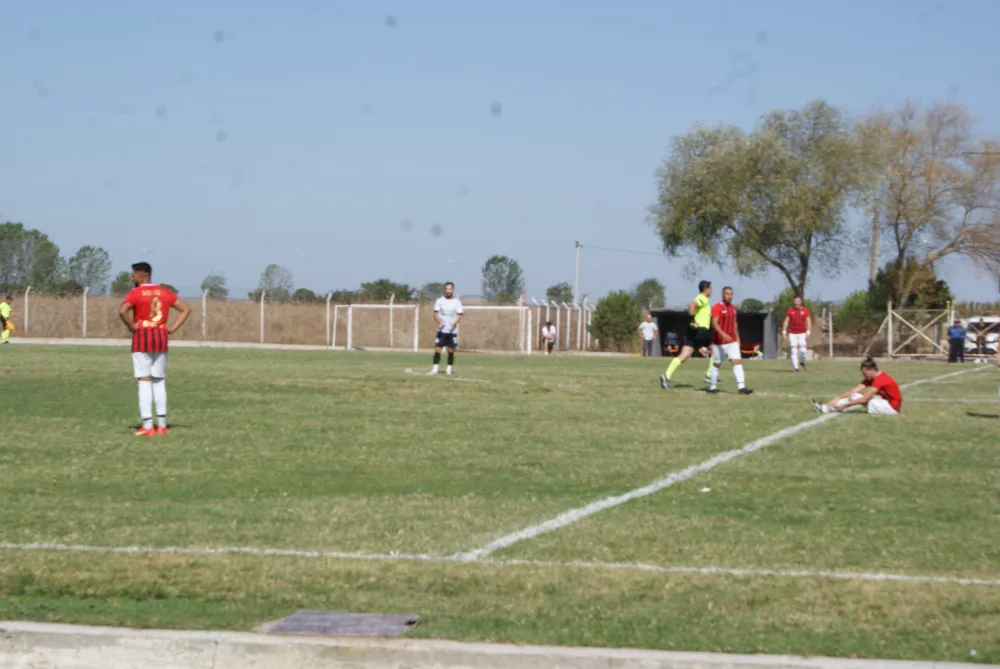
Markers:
575,515
446,377
435,559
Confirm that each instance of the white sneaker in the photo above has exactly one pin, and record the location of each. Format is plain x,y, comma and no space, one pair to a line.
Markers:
448,371
433,372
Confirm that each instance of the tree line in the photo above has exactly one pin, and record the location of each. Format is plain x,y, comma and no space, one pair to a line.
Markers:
780,197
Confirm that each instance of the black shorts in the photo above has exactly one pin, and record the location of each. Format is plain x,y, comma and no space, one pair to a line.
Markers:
696,337
446,340
551,345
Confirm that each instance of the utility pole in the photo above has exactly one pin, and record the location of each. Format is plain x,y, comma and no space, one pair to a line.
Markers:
576,275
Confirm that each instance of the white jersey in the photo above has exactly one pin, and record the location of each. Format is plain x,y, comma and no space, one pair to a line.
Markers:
448,310
549,332
648,330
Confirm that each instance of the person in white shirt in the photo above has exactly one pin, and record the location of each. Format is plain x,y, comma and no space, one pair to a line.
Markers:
648,332
447,314
549,337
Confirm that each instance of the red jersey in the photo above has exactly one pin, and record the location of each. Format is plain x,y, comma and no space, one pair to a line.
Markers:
726,315
797,319
150,307
888,389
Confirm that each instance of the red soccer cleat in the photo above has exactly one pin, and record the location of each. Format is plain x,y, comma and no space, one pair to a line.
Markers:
161,431
145,432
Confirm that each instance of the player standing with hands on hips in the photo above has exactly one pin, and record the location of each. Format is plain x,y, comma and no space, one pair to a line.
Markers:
145,311
447,314
796,330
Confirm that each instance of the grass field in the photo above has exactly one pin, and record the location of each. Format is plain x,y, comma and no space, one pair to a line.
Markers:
397,474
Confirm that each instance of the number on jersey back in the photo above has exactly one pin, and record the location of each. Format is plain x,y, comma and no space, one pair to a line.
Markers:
151,305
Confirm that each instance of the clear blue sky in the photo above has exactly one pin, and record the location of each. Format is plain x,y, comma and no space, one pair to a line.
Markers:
337,127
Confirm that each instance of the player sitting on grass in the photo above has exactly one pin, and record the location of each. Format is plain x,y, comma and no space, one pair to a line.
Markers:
447,314
877,391
145,311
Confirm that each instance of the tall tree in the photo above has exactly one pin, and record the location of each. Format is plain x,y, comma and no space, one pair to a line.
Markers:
615,321
121,284
276,283
304,295
381,290
503,280
27,258
560,292
215,284
650,294
343,296
91,268
939,192
431,291
773,198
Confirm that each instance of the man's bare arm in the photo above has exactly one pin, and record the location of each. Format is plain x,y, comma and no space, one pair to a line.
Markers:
125,313
784,328
458,320
438,321
856,389
715,326
865,397
809,324
184,311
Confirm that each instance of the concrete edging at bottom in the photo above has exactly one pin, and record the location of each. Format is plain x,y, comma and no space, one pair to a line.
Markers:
36,645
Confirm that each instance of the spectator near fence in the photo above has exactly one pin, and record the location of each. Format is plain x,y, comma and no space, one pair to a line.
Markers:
956,342
648,332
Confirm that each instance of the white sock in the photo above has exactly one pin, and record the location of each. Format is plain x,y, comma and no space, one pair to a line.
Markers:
434,368
740,376
146,403
795,357
160,399
448,369
713,377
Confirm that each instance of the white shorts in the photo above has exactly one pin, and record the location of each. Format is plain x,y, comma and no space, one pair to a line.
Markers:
877,405
729,352
153,365
797,340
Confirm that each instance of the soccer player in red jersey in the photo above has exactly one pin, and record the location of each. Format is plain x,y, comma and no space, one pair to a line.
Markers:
726,343
877,391
145,311
796,329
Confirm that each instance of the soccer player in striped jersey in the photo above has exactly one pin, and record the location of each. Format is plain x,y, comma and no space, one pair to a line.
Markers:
145,311
726,343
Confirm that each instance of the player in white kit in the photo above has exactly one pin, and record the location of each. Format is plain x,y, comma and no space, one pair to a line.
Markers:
447,314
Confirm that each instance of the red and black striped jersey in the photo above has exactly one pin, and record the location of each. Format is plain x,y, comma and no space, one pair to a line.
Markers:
151,305
726,315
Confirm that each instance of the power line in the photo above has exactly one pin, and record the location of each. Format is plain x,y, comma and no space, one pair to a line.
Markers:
632,251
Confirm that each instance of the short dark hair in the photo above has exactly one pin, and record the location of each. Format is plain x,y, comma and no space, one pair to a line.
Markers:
702,285
869,363
548,322
9,296
143,267
725,288
449,283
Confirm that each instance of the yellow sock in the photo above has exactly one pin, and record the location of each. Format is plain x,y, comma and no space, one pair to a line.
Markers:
672,367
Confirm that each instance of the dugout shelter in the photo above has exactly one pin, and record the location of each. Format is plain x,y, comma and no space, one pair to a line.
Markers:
757,329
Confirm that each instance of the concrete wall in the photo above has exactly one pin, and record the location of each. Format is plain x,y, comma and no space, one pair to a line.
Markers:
25,645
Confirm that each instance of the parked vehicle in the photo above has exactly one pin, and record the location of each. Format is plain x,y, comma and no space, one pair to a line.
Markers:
985,328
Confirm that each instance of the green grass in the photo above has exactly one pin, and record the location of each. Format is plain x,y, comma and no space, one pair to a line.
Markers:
345,452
